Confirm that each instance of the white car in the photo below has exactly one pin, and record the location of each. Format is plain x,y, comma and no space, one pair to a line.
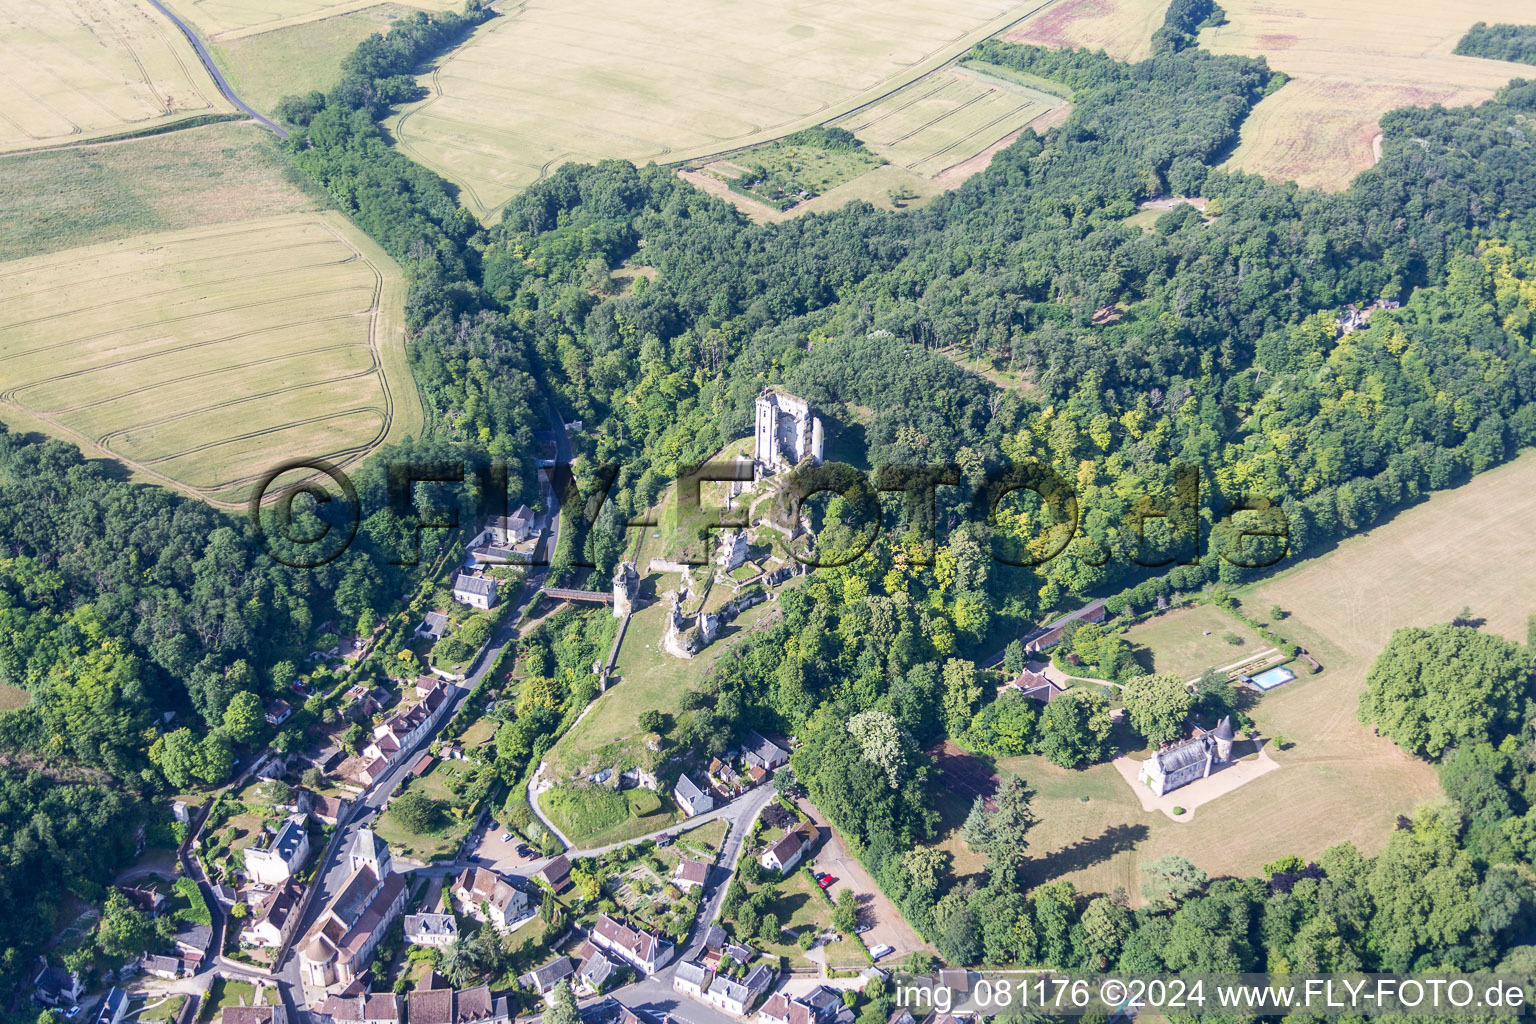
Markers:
506,837
880,951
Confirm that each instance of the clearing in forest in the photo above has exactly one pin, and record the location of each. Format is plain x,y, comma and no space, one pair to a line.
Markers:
202,358
1121,28
1469,546
76,70
546,83
219,21
1352,61
946,119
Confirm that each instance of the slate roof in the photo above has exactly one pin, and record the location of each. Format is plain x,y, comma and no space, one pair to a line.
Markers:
687,789
550,974
481,586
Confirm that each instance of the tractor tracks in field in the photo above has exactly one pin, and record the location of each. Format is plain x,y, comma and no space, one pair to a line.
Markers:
218,76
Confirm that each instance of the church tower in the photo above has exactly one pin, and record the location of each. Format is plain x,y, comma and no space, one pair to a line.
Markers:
369,851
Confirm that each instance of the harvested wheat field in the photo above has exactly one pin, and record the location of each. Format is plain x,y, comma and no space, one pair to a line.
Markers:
76,70
220,21
583,80
1352,61
1121,28
202,358
947,118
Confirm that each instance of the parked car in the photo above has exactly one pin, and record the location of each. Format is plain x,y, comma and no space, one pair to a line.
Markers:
74,1011
880,951
825,880
523,850
506,837
861,929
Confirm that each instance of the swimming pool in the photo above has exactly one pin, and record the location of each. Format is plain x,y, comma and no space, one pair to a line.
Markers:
1273,677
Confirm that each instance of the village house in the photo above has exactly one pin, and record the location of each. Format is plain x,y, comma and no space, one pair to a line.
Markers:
449,1006
1036,686
486,896
780,1009
160,966
763,753
431,929
644,951
278,855
327,809
692,978
275,1014
505,531
360,1008
429,1006
698,981
556,874
433,626
192,939
338,947
783,855
593,968
691,798
1048,636
475,591
271,926
690,874
278,712
546,979
404,729
113,1007
823,1002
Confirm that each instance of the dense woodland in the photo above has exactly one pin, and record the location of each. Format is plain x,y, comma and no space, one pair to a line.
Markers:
124,602
1500,42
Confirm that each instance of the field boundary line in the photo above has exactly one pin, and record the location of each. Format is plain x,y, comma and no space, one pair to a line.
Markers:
213,69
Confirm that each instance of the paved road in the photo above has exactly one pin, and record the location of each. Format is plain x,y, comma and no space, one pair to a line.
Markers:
331,877
218,76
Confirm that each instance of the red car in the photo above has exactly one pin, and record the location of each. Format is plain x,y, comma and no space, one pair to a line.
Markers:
825,880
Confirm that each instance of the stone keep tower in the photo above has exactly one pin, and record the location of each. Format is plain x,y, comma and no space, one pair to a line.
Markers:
626,585
785,433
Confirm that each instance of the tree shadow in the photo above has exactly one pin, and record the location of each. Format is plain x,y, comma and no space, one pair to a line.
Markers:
1084,853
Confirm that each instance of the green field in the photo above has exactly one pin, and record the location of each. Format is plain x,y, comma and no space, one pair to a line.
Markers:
293,60
86,69
785,173
947,118
220,21
798,906
201,358
426,847
1177,640
546,84
592,815
64,198
648,677
1337,782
